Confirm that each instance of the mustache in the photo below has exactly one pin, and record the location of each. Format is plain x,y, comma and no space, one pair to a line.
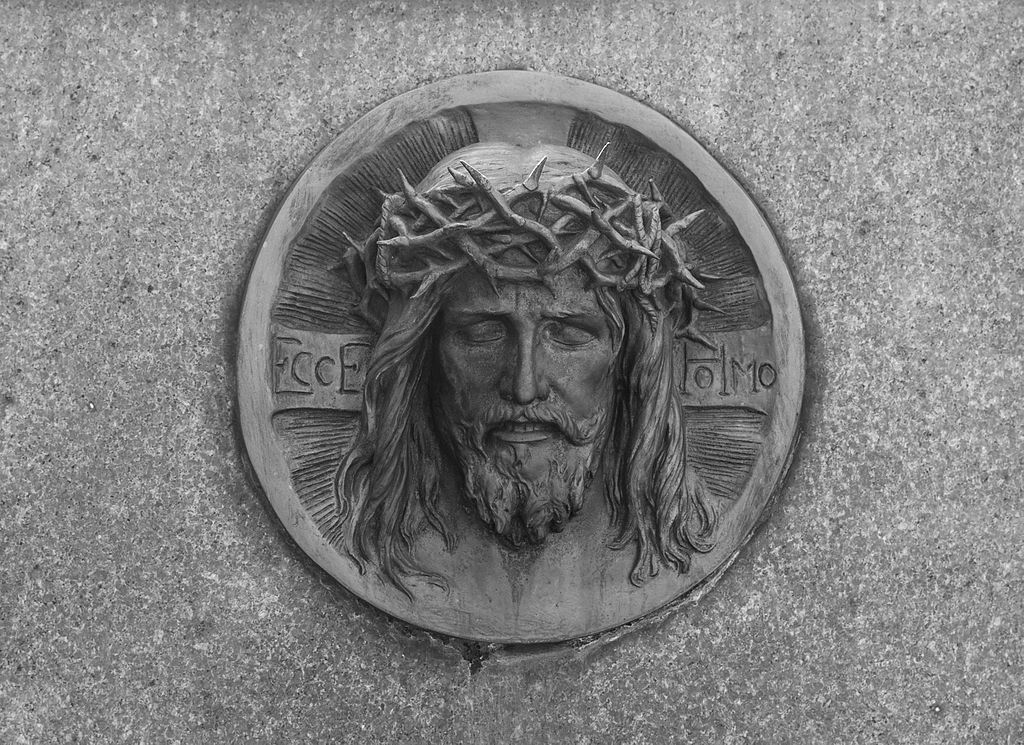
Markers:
575,430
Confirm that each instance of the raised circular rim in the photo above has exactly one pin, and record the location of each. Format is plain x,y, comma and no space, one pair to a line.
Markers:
490,88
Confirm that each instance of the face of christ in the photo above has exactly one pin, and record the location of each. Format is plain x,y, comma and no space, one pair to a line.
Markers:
526,387
502,296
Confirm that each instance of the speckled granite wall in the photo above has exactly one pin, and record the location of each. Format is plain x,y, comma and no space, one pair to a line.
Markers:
145,595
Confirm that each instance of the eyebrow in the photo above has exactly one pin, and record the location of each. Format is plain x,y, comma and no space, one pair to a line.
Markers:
570,315
469,316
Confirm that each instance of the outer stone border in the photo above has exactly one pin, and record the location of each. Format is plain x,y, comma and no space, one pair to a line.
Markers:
491,89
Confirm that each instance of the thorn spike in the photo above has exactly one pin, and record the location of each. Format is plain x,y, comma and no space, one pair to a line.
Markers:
410,192
460,178
597,169
641,250
480,179
687,277
654,191
693,335
684,223
533,180
701,305
352,244
544,205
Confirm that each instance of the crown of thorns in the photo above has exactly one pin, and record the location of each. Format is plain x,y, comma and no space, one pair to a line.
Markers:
527,234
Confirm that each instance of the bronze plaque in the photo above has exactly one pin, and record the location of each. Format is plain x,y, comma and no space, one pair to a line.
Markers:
519,361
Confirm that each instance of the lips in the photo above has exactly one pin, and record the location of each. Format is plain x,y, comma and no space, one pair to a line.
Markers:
524,432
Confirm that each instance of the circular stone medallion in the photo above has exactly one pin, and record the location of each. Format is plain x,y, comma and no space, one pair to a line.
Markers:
519,361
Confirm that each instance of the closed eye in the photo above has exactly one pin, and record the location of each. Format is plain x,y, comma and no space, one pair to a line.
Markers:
569,334
482,332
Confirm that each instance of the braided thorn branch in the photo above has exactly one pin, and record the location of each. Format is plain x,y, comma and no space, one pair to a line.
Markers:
505,210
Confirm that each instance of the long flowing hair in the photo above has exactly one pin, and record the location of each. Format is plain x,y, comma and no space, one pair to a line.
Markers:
389,482
655,499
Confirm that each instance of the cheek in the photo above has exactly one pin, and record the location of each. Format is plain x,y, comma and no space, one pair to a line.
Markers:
587,380
467,373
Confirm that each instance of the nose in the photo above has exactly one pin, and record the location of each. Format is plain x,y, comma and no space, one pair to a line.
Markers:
526,381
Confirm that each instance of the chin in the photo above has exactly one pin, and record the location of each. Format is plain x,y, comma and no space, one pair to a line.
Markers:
524,491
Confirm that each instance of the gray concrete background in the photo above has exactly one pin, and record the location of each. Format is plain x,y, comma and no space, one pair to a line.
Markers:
145,595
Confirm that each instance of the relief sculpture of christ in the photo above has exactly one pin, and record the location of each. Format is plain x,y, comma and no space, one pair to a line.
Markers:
527,303
520,361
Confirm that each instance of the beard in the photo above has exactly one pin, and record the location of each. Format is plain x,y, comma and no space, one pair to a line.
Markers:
524,491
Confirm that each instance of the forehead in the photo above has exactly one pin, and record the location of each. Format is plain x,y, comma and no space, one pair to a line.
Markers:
565,294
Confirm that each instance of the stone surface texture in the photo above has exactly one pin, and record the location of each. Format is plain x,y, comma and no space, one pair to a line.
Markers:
146,595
